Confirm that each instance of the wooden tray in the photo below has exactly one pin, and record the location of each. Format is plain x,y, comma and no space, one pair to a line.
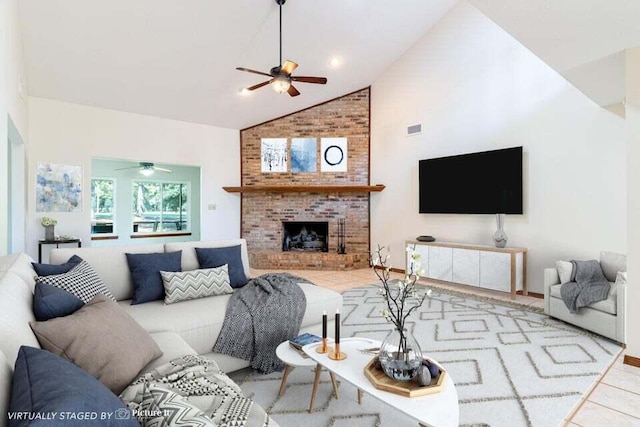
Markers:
404,388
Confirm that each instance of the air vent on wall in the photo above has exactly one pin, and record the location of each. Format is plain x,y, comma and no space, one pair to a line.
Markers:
414,129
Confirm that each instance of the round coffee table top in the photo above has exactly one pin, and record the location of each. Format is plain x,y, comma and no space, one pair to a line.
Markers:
291,357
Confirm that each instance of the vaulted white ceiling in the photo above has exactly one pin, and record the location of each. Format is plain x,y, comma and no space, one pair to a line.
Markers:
584,40
176,58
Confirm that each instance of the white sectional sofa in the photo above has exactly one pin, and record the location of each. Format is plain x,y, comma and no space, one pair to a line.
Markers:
188,327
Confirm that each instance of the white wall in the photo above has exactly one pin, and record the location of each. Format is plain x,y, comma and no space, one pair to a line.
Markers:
633,198
475,88
12,102
73,134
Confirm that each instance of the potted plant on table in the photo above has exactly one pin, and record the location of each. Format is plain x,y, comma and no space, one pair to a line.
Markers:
49,227
400,355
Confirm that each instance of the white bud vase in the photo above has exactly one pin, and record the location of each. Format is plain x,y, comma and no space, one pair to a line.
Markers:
500,237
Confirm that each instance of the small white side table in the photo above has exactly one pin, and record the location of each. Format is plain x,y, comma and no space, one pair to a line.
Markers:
293,359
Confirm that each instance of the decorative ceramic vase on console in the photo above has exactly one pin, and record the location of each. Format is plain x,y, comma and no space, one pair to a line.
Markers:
500,237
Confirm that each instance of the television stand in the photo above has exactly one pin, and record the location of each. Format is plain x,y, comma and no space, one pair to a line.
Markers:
488,267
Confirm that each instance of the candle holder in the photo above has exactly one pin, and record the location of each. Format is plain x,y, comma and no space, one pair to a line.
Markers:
337,354
324,348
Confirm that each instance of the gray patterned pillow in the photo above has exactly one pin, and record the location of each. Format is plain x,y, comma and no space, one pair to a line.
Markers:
192,284
172,408
81,281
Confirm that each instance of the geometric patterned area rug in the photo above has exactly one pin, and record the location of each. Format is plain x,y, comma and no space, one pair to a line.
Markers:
512,364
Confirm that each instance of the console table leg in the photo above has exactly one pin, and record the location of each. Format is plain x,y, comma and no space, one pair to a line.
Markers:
283,384
335,384
315,387
359,397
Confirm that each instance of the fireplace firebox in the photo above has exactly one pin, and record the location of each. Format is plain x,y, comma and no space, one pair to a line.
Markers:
309,236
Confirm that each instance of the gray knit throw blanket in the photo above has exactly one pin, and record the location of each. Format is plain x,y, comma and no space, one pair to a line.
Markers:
265,312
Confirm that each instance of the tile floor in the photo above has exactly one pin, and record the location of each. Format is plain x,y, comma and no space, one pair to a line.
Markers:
614,401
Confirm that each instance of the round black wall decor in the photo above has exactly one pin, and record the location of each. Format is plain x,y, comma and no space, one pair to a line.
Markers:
333,155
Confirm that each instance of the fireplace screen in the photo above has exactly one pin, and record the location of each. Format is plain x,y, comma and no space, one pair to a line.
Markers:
305,236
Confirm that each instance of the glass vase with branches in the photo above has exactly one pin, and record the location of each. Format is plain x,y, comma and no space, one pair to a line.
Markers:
401,297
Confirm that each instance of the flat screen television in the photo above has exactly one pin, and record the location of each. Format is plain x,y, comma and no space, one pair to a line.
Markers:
488,182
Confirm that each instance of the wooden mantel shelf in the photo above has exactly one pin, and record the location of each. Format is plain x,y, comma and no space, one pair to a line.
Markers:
305,189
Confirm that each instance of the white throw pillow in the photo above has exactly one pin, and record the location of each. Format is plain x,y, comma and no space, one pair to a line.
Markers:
192,284
621,279
565,268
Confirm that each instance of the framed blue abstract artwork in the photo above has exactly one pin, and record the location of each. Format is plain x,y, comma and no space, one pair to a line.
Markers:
303,154
58,188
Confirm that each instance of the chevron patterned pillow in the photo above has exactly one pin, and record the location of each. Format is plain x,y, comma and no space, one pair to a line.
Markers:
192,284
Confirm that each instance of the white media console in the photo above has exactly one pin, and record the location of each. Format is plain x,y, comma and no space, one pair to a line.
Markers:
500,269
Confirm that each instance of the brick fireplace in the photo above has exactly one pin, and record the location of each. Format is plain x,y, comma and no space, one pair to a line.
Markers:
264,213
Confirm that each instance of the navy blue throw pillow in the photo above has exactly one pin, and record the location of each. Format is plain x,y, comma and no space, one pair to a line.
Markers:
51,269
49,386
230,255
50,302
145,273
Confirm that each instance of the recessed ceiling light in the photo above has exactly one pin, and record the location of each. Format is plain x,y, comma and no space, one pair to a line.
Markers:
244,91
335,62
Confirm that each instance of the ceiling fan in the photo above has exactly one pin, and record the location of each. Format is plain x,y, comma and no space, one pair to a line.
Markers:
146,168
281,77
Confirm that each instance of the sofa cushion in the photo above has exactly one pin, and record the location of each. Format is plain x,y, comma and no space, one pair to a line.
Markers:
199,321
16,300
216,257
172,346
606,306
101,339
611,263
20,265
109,262
47,384
190,259
145,273
50,302
186,285
50,269
82,281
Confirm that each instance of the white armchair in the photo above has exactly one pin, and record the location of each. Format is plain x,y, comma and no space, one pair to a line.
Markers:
605,317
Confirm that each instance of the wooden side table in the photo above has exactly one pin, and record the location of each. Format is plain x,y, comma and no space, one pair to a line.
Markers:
56,242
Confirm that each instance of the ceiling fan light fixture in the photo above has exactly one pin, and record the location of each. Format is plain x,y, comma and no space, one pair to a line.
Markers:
281,84
147,171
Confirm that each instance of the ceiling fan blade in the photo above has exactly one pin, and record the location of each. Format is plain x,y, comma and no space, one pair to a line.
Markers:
253,71
128,167
288,66
292,91
303,79
259,85
162,169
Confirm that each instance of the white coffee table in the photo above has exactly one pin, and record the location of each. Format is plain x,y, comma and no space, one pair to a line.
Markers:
293,359
437,410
